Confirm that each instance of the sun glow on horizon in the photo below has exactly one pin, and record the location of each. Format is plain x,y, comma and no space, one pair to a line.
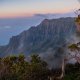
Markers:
19,8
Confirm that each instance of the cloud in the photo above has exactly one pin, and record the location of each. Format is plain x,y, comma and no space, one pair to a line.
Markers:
41,15
79,1
54,15
5,27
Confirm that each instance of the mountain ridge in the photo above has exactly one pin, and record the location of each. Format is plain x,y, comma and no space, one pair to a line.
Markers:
50,33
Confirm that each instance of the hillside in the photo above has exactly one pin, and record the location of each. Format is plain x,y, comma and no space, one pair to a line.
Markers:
49,34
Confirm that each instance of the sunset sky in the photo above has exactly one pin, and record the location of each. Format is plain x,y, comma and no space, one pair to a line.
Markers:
19,15
17,8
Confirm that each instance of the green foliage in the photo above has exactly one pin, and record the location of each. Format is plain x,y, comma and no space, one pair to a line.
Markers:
72,72
77,20
73,47
17,68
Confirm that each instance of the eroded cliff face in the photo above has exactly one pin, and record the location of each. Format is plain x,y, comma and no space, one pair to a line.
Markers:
49,34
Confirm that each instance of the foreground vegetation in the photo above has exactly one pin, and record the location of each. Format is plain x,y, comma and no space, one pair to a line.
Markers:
17,68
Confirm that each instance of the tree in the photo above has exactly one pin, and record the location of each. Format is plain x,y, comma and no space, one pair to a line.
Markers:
38,69
77,20
18,68
76,49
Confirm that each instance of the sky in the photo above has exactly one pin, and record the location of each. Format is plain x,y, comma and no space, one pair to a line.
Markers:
17,8
19,15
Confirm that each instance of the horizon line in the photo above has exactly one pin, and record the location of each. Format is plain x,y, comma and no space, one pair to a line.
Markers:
31,15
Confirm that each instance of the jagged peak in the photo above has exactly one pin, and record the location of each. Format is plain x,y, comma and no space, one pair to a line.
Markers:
45,22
